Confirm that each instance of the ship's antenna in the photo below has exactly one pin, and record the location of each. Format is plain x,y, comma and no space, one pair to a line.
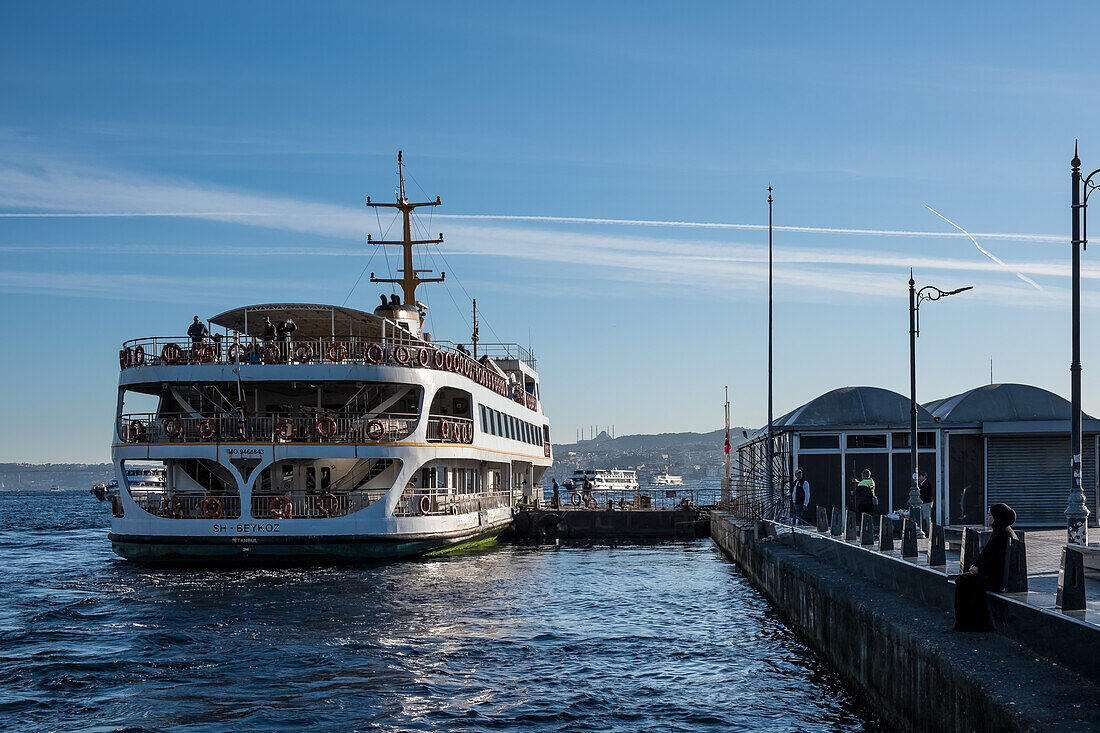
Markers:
474,337
410,277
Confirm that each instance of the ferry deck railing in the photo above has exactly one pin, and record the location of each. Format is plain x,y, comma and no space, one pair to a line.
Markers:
182,350
161,503
389,427
443,501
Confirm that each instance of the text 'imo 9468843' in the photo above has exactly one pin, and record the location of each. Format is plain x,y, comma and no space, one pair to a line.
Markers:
312,432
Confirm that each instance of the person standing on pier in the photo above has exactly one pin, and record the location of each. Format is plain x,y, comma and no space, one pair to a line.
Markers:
926,497
986,574
555,500
800,496
865,494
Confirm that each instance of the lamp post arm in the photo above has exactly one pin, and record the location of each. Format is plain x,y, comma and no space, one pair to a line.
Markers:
1089,186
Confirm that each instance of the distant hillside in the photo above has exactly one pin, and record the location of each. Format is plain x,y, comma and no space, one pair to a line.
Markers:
692,455
46,475
697,441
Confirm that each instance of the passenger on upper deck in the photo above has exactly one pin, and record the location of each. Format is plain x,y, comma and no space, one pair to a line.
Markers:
197,331
268,334
284,329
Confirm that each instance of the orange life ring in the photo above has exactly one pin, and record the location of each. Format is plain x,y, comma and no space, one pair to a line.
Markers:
401,354
137,431
171,353
303,352
235,351
139,355
450,366
281,507
212,507
575,499
286,429
375,354
591,502
328,504
208,428
326,427
271,354
425,504
172,507
423,358
173,427
337,353
439,359
445,430
376,430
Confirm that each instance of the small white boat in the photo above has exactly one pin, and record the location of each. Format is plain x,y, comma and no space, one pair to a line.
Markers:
603,479
667,479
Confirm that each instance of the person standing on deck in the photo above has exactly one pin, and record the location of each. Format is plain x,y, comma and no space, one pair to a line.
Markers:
197,331
865,494
268,334
800,496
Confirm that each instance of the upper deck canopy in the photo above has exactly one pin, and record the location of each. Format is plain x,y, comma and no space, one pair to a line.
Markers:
312,319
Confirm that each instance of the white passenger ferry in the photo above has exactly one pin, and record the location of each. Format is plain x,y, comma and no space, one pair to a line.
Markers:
355,437
667,479
604,479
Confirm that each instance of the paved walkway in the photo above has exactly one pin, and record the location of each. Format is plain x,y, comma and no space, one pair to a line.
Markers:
1044,558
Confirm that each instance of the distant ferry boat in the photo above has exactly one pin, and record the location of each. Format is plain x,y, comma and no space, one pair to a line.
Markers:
667,479
603,479
337,435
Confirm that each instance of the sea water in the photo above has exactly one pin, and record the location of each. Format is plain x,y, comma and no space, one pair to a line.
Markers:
573,637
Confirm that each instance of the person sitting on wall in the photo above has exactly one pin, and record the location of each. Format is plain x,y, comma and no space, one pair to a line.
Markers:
986,574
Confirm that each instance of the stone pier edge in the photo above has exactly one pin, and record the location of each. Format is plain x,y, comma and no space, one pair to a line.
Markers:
881,640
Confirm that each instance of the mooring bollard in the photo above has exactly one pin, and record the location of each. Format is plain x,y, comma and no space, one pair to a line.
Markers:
1015,567
1071,581
885,534
836,527
866,530
849,525
908,538
937,550
969,552
822,520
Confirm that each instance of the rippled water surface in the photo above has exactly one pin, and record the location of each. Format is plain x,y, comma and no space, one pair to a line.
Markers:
631,637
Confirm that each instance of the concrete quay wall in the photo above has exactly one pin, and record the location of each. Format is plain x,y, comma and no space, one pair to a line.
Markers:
900,650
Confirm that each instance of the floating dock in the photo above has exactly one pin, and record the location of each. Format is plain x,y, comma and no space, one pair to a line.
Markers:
551,524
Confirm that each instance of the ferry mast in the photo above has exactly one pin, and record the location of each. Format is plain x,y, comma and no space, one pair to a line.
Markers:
410,276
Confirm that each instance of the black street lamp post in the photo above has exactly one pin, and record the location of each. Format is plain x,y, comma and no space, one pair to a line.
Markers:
928,292
1077,512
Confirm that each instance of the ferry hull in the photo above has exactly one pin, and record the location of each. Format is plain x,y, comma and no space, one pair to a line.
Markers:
304,550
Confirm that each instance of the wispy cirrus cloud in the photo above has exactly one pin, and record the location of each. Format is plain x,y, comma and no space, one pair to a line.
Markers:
722,267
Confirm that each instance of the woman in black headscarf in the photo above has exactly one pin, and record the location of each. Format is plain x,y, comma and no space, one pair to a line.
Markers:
986,574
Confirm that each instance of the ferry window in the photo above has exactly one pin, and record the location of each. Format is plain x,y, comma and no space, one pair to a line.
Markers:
866,441
470,485
818,442
496,423
326,478
481,409
511,427
427,477
545,434
288,477
311,479
265,480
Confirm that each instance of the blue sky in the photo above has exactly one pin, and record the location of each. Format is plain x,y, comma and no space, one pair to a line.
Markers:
260,127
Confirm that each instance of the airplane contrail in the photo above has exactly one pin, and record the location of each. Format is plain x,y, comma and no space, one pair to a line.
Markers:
987,253
546,219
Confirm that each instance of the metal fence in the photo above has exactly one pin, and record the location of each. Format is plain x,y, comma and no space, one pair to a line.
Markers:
647,498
